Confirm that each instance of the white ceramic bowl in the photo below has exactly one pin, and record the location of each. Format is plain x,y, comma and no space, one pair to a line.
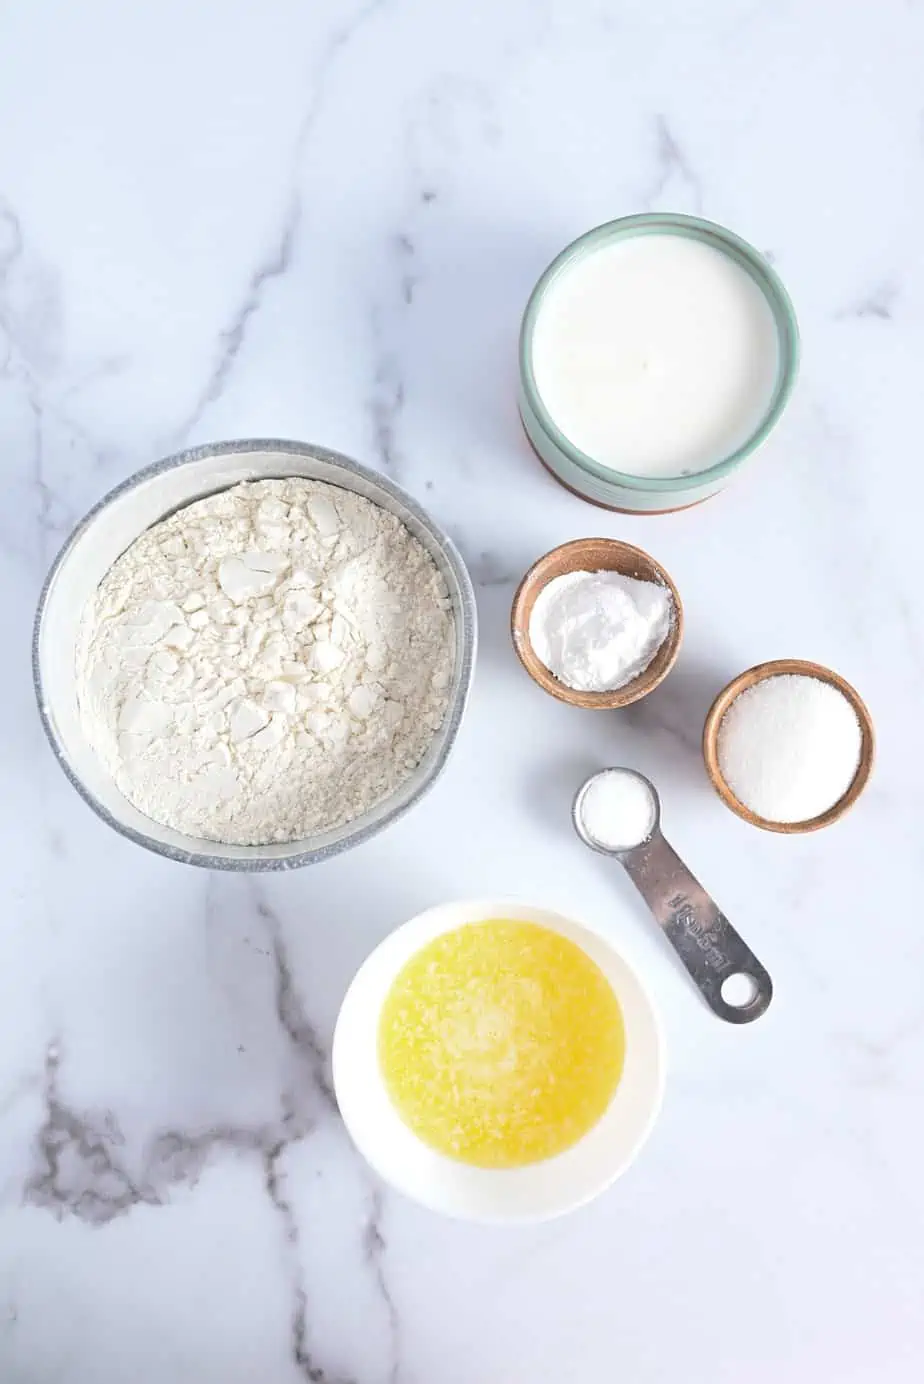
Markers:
114,524
538,1191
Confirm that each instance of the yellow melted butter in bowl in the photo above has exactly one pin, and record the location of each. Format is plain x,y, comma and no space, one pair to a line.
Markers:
501,1043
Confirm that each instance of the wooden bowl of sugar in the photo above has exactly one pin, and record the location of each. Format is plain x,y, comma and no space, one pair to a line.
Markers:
789,746
595,555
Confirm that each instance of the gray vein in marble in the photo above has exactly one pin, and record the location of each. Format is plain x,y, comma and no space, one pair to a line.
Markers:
232,337
450,106
51,523
31,315
404,249
871,1062
278,260
80,1171
432,138
30,301
173,1157
15,364
387,402
83,1165
488,568
289,1011
55,516
879,303
85,1169
305,1041
11,248
678,708
304,1360
374,1248
273,1178
673,167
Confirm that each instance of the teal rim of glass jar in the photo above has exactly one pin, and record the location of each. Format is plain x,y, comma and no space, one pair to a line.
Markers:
744,255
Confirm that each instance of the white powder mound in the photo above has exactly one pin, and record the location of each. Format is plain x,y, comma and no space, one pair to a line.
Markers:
267,663
618,810
789,747
596,631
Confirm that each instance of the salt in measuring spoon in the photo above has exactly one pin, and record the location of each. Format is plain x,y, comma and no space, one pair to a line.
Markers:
727,973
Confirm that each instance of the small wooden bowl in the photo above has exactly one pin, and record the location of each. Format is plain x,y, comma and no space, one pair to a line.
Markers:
594,555
778,668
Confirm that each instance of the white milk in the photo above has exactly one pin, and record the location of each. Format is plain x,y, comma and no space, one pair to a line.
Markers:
656,355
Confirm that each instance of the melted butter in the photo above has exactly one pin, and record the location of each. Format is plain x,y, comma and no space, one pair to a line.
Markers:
501,1043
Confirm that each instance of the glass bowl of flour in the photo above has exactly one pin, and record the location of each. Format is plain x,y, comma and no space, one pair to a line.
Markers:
253,655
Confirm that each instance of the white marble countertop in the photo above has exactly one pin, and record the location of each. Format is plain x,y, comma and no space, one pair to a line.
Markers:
321,221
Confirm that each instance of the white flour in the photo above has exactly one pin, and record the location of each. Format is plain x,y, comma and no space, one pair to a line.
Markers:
266,663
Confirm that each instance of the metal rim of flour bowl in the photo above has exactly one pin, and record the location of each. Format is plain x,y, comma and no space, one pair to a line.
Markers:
253,859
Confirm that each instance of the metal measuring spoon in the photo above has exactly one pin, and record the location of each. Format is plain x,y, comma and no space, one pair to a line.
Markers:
703,938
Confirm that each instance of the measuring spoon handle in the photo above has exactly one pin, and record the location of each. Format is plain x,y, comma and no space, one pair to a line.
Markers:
699,932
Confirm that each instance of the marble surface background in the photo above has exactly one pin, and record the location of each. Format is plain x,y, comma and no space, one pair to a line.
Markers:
322,220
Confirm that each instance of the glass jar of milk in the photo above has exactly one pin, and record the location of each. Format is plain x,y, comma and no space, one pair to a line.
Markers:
657,352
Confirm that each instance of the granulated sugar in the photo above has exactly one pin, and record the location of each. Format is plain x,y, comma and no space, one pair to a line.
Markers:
789,747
